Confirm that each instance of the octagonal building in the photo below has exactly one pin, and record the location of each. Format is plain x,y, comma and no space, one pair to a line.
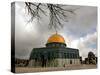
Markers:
55,54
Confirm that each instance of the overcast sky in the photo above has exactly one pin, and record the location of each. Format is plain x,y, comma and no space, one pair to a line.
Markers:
79,32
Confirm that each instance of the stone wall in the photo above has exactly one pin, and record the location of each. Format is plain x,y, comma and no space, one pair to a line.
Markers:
54,63
63,62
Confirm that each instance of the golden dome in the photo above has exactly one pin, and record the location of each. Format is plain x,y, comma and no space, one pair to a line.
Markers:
56,38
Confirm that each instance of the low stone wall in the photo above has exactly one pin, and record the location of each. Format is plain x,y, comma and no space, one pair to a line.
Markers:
54,62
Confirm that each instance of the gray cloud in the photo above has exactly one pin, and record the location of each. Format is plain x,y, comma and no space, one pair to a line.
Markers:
83,45
84,21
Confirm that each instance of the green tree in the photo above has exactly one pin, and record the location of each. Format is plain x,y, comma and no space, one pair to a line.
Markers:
91,58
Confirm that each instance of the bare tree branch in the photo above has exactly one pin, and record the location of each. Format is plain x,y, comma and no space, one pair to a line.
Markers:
57,14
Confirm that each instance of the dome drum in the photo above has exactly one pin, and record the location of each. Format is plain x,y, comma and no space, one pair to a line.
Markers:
55,44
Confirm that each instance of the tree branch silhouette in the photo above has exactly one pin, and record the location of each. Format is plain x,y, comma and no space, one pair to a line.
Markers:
57,14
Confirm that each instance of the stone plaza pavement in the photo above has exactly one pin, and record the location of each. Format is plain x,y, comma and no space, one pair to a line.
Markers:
45,69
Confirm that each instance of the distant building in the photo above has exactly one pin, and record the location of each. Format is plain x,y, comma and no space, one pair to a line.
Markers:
55,54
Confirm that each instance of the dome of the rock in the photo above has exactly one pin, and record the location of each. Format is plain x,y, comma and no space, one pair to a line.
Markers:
57,38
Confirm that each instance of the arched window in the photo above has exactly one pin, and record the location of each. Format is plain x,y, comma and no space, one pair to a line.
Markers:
65,55
53,45
57,45
68,55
